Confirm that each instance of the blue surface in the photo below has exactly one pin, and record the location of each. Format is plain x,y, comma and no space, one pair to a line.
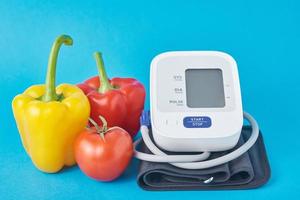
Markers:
263,36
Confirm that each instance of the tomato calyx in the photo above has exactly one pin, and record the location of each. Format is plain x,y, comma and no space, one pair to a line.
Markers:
100,131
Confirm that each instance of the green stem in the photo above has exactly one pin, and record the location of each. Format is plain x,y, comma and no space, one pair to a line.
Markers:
104,82
104,123
99,131
50,94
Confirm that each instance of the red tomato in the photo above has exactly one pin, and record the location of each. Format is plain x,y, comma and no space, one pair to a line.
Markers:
103,157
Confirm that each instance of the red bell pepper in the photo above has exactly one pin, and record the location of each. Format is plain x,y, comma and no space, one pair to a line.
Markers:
119,100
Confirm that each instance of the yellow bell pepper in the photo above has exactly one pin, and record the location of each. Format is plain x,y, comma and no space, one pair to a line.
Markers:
49,118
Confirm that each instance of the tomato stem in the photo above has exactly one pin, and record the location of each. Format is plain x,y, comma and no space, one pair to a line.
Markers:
104,122
98,129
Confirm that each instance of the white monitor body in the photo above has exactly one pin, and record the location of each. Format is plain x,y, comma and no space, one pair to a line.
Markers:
195,101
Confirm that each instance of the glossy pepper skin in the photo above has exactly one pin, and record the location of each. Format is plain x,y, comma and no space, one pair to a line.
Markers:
119,100
49,119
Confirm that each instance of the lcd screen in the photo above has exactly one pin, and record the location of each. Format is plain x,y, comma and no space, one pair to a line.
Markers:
204,88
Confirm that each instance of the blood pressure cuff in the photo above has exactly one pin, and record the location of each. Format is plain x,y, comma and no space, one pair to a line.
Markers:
248,171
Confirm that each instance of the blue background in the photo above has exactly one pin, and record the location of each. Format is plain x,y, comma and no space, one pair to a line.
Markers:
263,36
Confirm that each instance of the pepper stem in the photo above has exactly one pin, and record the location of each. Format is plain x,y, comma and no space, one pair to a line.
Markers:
104,82
50,94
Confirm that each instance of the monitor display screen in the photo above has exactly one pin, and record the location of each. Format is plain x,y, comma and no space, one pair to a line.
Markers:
204,88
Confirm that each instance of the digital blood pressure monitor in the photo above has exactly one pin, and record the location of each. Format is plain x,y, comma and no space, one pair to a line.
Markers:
195,101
